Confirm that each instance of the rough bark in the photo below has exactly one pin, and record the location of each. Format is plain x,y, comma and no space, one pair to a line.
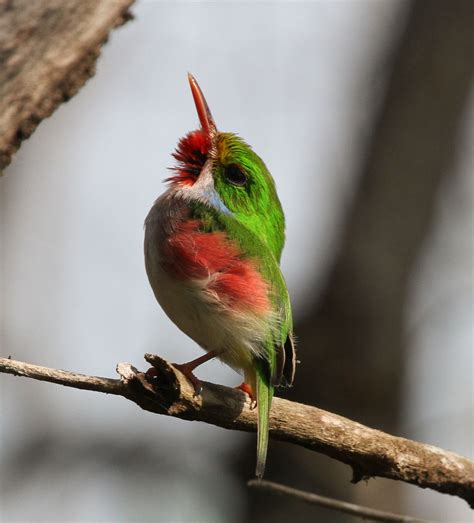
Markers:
48,50
369,452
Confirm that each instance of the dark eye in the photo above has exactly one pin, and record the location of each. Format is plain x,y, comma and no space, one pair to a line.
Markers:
235,175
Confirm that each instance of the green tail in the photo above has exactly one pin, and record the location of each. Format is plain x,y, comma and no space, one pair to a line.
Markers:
264,401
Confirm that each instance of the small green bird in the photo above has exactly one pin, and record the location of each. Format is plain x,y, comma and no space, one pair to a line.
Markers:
213,243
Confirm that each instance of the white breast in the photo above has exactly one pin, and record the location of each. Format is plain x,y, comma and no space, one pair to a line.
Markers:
237,337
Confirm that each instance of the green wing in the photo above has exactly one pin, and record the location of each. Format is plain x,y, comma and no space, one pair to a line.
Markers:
280,349
278,367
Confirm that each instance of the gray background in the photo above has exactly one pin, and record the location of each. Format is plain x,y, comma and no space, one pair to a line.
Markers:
298,82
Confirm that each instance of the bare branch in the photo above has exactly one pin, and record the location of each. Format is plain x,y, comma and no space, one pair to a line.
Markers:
48,50
332,504
63,377
369,452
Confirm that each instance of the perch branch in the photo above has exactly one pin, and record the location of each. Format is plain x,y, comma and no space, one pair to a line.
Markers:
48,50
366,513
369,452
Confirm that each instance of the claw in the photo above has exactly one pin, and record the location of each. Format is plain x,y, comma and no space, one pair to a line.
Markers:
187,370
247,389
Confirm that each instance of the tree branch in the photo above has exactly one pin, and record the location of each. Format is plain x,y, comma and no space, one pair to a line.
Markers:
366,513
48,50
369,452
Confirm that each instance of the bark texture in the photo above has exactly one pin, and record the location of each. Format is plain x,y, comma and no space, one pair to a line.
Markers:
48,50
369,452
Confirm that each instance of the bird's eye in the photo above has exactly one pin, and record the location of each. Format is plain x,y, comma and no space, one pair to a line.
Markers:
235,175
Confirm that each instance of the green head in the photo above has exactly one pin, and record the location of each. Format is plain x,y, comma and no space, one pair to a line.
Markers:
222,171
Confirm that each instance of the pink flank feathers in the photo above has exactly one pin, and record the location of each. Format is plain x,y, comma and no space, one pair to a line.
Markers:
194,255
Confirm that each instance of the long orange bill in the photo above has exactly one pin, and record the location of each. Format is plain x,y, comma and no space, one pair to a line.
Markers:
204,113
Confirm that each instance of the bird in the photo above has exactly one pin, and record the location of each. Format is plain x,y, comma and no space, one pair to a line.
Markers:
213,244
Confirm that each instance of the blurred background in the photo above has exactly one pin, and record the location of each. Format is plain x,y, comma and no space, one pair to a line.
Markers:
363,112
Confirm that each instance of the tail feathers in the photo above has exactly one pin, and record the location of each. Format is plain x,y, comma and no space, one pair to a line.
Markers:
264,400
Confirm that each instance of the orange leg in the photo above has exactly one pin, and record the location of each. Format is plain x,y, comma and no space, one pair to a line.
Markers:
247,389
187,370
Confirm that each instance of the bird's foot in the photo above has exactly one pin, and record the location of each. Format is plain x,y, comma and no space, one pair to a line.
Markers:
247,389
187,370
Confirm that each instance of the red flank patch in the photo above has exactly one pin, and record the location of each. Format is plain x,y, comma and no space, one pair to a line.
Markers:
192,254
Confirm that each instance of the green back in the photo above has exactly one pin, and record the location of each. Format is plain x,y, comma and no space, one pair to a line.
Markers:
257,224
256,205
256,221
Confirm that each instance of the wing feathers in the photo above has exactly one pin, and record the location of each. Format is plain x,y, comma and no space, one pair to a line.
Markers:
290,360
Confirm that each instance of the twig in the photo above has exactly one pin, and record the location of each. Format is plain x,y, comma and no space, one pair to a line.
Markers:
369,452
332,504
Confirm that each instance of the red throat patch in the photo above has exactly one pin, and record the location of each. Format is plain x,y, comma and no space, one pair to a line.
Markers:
191,254
191,154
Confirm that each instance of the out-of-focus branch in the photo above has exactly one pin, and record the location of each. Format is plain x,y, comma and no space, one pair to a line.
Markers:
351,339
366,513
357,323
48,50
368,451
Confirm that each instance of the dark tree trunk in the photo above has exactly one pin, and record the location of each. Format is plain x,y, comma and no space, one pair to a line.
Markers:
351,342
